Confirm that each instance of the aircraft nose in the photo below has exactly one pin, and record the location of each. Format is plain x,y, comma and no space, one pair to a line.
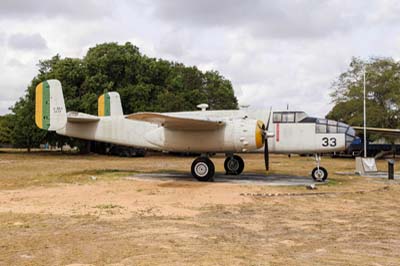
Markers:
349,132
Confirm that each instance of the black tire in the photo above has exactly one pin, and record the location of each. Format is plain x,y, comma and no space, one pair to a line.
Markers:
234,165
203,169
319,176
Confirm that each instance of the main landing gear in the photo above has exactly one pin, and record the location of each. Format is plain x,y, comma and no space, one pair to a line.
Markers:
203,168
234,165
319,173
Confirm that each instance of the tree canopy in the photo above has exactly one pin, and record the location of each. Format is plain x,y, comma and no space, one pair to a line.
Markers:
383,93
145,84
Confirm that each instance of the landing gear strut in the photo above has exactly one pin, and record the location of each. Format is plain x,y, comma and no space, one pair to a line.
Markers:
203,169
319,173
234,165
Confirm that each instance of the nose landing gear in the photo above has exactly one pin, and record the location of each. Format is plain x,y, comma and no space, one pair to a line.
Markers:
319,173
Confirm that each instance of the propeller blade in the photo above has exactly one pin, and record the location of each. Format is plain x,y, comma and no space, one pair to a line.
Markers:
269,117
266,150
266,154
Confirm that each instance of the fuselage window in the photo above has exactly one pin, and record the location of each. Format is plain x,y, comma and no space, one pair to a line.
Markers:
288,117
330,126
277,117
320,128
284,117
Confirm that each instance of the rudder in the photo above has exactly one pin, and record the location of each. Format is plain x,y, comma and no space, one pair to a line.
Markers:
109,104
50,113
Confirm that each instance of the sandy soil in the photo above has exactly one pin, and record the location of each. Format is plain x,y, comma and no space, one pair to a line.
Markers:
81,210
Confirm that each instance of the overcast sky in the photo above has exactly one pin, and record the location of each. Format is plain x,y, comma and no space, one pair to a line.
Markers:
274,52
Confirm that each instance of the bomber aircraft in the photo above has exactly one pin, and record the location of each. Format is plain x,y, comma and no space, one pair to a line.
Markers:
204,132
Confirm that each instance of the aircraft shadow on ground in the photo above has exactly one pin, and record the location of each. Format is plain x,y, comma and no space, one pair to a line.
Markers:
247,178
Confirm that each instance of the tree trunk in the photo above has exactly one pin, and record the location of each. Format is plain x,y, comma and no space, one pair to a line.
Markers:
29,145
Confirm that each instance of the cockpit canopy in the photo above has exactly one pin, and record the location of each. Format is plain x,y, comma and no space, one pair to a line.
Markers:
322,126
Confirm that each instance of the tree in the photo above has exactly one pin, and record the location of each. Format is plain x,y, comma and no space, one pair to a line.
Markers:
24,133
5,129
383,93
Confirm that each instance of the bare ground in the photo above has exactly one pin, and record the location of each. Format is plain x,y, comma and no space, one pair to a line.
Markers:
67,209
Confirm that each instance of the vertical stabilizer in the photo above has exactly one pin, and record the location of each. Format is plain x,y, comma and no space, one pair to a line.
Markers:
50,113
109,104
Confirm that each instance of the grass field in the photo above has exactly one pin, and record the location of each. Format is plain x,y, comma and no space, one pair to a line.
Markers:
60,209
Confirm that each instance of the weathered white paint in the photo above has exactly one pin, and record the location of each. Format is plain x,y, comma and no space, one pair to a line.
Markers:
238,134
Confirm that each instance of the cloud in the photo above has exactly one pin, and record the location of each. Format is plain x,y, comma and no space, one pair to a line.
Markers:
22,41
89,9
274,52
266,19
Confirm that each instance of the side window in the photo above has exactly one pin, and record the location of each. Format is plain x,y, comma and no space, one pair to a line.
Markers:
321,128
277,118
329,126
342,128
284,117
290,117
332,126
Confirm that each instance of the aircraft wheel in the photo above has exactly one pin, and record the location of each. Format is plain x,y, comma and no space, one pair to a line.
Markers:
203,169
234,165
319,175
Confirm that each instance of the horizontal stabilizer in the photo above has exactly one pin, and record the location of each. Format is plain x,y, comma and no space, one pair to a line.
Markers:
76,117
177,123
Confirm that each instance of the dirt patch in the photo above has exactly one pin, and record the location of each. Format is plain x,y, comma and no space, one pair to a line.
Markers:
66,217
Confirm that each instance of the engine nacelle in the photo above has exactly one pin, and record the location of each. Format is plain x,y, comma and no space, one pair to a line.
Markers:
238,135
243,135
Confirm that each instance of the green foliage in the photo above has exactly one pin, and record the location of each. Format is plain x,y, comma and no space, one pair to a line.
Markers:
383,93
145,84
5,129
24,133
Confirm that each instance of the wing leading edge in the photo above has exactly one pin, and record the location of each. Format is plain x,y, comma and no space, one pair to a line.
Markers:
77,117
177,123
383,131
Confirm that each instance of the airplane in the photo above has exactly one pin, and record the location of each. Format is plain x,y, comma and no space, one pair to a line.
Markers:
205,132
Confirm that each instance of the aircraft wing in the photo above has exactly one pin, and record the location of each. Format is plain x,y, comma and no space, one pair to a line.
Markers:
383,131
178,123
76,117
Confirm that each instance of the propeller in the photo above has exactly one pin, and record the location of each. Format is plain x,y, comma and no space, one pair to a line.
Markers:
266,150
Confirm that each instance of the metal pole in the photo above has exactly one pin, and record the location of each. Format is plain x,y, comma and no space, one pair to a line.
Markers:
365,122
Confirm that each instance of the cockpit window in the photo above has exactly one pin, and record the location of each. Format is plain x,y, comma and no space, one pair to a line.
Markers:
330,126
288,117
277,117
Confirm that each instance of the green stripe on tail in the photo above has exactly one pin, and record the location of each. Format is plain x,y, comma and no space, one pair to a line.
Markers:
46,105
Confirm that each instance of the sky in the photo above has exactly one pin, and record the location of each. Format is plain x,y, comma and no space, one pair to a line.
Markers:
276,53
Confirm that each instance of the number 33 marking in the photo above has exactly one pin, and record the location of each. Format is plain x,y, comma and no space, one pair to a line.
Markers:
329,142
